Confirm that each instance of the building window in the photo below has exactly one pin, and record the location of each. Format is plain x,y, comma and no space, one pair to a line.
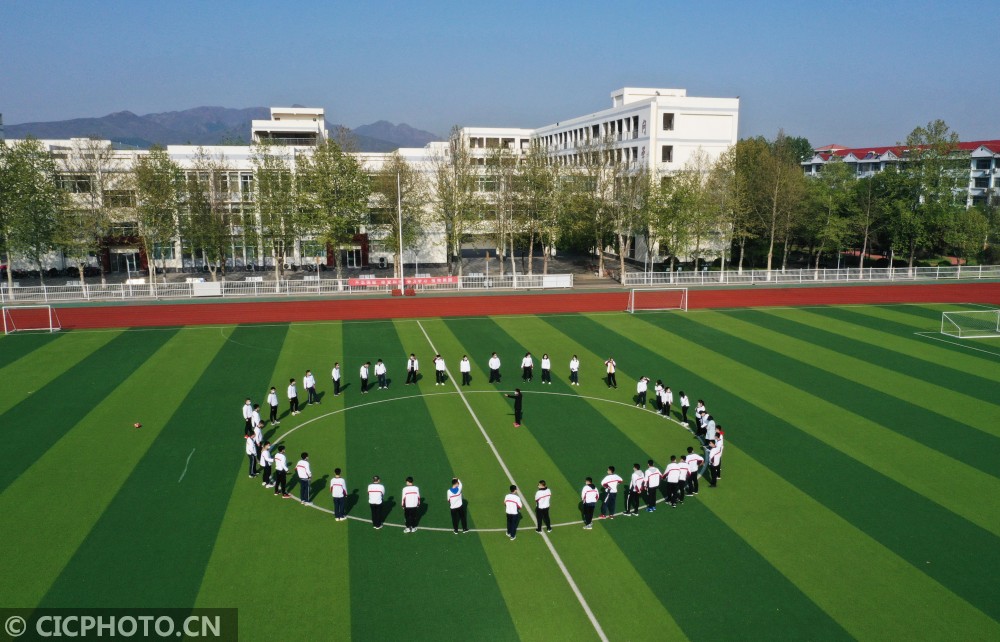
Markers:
667,154
75,183
246,183
124,229
119,198
983,163
163,251
668,122
981,182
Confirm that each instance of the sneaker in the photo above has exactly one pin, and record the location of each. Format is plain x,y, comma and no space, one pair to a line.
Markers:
406,530
517,425
538,530
264,484
588,527
548,530
379,527
513,537
603,517
286,496
466,531
456,532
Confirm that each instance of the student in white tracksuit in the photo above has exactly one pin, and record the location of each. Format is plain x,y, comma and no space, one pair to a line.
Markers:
465,367
494,368
272,401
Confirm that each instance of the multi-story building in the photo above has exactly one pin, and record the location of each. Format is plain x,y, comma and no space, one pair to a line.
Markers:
656,129
982,157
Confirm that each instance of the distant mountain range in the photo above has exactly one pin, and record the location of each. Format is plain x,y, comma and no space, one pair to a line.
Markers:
206,126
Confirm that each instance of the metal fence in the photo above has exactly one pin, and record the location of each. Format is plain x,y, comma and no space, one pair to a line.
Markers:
846,275
314,286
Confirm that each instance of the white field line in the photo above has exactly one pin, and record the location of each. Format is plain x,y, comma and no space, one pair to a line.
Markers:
524,501
929,335
184,472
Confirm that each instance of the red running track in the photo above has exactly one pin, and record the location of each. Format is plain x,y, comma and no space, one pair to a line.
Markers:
460,306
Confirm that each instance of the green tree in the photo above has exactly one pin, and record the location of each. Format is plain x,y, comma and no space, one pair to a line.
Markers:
965,231
399,192
937,176
208,224
456,201
159,185
30,202
332,192
102,194
274,201
827,226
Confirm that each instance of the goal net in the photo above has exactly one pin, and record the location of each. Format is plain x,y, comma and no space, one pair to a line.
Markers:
647,299
22,318
975,324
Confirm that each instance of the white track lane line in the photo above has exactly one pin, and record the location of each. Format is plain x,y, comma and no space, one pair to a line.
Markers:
524,501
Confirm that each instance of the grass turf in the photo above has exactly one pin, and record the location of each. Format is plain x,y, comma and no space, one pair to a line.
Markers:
860,496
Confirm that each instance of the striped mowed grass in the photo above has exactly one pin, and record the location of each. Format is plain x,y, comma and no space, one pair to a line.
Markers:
860,496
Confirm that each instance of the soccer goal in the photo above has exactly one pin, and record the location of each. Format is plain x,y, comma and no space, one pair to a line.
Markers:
23,318
973,324
649,299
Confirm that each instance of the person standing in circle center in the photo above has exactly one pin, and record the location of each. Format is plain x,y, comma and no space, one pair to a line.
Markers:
517,397
611,367
546,369
380,371
465,366
494,368
412,369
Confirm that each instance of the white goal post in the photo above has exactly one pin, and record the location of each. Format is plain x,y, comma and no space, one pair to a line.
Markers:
650,299
972,324
23,318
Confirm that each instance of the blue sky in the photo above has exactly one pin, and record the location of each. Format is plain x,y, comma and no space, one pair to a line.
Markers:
853,73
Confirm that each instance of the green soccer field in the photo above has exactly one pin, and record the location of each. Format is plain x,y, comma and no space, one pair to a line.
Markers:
860,495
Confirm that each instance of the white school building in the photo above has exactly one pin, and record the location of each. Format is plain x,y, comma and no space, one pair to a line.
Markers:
657,129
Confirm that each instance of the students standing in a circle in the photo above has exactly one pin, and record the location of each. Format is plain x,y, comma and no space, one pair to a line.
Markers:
411,504
611,368
543,497
494,368
439,370
527,367
465,366
412,369
335,375
574,371
376,491
512,506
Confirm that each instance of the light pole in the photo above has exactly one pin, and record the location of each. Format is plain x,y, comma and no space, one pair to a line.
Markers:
399,214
